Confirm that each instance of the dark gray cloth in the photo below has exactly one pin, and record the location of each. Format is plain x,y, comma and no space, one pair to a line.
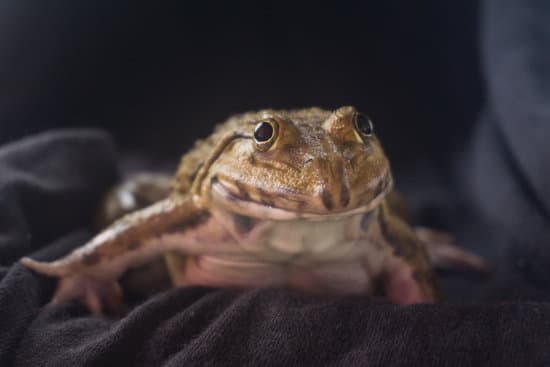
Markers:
503,172
49,187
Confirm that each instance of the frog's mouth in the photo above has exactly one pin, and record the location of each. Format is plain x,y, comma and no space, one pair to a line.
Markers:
223,194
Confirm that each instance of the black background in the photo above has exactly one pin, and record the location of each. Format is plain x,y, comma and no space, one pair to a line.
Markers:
158,76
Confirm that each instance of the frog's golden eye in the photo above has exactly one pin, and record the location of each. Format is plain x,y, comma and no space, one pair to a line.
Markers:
363,124
265,134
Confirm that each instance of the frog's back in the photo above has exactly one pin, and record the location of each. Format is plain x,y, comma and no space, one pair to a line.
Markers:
192,161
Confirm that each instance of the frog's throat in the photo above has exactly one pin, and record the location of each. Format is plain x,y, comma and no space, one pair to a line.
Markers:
222,196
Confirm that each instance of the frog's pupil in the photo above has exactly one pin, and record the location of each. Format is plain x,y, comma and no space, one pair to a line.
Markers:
363,124
263,131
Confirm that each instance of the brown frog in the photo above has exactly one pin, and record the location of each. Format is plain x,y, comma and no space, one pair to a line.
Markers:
296,198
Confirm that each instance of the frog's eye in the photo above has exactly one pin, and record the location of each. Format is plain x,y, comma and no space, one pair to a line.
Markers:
265,133
363,125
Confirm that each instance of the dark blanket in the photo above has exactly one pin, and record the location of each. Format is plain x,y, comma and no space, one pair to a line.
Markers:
498,203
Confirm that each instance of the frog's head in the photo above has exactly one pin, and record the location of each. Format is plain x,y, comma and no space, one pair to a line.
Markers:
300,163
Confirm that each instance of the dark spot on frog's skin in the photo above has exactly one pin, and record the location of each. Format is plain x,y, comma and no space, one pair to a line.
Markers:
265,198
380,187
344,195
190,222
91,259
402,246
243,224
194,174
326,197
214,179
266,201
243,192
344,188
297,203
367,220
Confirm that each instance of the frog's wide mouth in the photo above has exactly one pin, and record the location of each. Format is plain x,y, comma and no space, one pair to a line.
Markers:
222,194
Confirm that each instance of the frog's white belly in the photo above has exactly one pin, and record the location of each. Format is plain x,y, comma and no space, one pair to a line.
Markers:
326,256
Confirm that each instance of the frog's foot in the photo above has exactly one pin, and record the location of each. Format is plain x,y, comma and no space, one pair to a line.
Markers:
405,285
445,254
96,295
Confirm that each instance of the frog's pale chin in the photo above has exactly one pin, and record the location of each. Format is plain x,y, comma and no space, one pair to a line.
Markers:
231,201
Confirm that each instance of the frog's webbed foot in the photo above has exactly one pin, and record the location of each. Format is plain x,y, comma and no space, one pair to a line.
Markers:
98,295
407,284
446,254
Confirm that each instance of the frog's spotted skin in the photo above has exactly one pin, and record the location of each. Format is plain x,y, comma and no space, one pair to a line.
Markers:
272,198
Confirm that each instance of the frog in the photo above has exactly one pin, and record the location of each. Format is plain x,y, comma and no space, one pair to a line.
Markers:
299,198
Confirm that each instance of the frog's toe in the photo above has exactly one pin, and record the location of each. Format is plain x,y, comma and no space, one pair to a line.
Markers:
54,268
445,254
404,284
96,295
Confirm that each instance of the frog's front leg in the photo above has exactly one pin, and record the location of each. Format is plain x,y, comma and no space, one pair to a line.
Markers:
407,274
90,272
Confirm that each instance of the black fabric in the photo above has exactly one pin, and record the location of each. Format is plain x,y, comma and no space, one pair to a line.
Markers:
49,187
493,193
